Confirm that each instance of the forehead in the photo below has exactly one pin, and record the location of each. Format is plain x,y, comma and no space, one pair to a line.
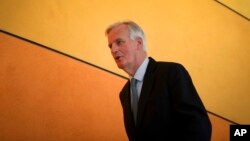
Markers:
119,31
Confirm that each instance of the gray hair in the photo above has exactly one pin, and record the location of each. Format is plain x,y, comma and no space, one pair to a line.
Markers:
134,31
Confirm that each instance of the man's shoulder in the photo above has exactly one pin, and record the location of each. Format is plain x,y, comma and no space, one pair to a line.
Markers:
166,66
165,63
169,65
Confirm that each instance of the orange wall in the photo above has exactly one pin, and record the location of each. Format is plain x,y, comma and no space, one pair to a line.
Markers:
210,40
220,128
47,96
241,6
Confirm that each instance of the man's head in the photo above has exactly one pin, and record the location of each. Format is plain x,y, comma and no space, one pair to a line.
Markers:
127,44
134,31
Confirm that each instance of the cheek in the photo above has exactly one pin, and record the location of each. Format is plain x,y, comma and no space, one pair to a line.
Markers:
130,56
127,51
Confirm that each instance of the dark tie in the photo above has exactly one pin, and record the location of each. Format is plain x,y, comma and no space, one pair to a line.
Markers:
134,98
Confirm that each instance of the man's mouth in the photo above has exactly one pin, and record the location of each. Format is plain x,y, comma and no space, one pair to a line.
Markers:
117,57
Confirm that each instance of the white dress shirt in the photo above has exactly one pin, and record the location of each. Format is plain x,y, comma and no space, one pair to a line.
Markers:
139,75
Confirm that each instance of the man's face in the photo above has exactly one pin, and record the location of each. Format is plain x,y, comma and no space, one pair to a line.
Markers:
122,47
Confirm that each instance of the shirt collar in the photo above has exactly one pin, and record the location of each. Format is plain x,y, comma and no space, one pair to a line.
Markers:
139,74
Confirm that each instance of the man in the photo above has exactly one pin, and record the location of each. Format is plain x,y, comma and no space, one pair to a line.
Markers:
159,101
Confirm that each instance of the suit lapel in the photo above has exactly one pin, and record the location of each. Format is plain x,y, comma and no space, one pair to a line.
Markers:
125,99
146,88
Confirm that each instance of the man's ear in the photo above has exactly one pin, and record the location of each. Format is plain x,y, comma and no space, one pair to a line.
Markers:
139,42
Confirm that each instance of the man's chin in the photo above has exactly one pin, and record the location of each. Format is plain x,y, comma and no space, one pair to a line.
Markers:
120,66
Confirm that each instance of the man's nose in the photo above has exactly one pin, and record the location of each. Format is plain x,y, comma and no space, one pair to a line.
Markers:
113,48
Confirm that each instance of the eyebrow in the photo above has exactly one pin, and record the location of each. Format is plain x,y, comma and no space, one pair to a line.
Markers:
110,45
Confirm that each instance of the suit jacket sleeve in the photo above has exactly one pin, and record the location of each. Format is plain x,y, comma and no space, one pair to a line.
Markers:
192,121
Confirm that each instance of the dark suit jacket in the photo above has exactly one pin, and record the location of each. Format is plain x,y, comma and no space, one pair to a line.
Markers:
169,107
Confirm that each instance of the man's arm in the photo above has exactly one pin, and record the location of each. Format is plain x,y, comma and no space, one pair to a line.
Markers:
192,121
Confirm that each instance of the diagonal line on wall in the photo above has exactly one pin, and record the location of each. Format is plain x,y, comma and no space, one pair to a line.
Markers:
62,53
88,63
233,10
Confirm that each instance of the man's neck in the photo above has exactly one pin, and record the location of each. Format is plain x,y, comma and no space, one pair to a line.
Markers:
133,70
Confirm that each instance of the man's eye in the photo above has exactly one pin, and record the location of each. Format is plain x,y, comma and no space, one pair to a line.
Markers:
119,42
